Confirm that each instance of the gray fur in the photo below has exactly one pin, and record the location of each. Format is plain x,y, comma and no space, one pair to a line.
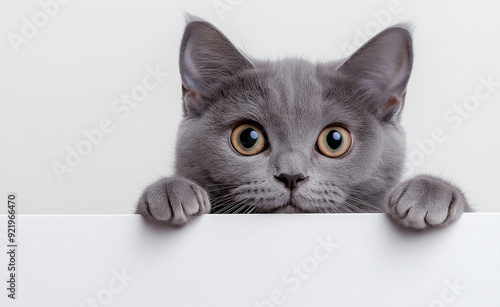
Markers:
293,100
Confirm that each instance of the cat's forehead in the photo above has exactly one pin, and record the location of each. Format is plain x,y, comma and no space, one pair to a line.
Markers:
287,97
290,90
294,80
293,93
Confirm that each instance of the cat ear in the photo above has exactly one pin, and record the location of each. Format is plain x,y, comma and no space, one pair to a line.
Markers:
206,58
384,64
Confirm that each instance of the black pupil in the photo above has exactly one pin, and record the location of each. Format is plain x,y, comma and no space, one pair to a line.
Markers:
249,137
334,139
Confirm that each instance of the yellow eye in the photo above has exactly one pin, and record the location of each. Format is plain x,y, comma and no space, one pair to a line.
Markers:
334,141
248,139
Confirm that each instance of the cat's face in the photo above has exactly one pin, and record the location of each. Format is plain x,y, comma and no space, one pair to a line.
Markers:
292,136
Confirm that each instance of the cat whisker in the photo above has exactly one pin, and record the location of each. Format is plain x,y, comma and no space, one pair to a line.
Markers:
223,207
241,209
218,189
209,188
353,190
324,210
221,198
229,206
221,184
363,193
248,210
363,202
355,208
221,203
343,206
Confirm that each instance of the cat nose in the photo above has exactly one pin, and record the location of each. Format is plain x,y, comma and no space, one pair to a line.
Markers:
291,181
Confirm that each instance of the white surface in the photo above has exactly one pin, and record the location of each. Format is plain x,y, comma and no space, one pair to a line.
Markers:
237,260
67,76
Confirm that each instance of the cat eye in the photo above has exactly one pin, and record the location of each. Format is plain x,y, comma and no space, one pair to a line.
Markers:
334,141
248,139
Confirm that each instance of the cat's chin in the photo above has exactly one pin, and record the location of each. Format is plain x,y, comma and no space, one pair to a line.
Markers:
289,208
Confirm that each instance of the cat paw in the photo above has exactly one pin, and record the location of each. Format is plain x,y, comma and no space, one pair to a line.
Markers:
173,201
426,201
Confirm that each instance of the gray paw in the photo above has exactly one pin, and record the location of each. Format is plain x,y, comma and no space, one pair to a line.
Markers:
426,201
173,200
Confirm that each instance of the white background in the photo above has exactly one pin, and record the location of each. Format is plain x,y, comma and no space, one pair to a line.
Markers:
64,79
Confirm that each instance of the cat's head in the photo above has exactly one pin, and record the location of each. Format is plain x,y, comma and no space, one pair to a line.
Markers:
291,135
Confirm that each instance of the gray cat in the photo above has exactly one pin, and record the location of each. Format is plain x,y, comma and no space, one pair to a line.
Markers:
292,136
